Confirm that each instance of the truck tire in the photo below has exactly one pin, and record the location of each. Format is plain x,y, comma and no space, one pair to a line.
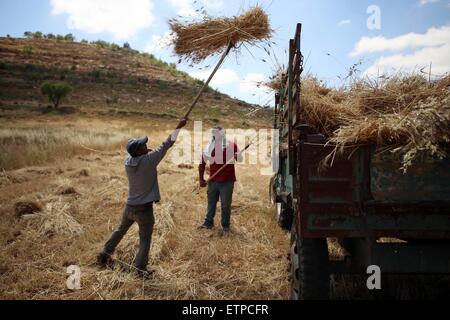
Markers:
310,279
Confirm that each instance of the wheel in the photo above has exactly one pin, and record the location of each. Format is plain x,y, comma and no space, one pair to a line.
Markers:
309,275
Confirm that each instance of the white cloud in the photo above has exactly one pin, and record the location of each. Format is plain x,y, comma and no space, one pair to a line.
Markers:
250,83
186,8
183,7
213,4
160,42
417,60
121,18
344,22
433,37
222,77
425,2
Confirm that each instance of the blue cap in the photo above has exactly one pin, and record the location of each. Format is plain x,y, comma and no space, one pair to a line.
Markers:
134,144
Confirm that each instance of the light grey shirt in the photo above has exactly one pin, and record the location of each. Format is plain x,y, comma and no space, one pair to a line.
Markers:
143,175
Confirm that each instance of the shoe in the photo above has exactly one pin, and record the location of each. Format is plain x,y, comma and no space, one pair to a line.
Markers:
144,273
226,230
205,226
103,259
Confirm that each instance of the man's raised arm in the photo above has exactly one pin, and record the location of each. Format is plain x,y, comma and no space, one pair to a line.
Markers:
158,154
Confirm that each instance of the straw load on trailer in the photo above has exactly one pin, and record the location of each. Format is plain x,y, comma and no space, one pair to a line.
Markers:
406,114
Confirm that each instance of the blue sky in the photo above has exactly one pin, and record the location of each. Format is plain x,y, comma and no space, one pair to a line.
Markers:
409,34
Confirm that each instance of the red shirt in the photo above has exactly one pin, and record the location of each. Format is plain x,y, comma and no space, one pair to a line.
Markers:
215,163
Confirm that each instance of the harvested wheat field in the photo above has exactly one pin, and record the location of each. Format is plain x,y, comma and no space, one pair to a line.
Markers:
60,213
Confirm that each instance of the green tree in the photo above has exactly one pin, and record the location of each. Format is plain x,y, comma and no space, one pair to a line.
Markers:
56,91
50,36
38,35
28,34
69,37
101,43
115,47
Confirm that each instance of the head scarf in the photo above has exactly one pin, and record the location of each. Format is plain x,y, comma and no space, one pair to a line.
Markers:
219,139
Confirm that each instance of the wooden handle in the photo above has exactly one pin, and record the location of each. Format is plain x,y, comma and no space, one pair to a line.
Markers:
186,116
228,162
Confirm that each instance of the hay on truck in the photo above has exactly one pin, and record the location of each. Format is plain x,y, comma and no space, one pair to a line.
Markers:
405,114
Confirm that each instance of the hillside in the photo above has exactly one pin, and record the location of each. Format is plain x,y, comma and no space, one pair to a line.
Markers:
108,81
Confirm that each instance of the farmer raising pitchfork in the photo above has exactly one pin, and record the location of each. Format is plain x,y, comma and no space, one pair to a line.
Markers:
141,169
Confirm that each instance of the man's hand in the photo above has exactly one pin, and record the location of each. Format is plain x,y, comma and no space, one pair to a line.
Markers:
203,183
182,123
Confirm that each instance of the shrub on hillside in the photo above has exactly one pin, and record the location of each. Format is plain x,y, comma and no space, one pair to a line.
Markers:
27,50
56,91
96,74
69,37
38,35
101,43
32,73
115,47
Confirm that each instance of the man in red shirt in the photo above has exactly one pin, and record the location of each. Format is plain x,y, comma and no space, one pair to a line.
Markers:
221,155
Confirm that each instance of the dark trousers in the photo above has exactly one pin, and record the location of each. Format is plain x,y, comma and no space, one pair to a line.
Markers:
224,192
143,215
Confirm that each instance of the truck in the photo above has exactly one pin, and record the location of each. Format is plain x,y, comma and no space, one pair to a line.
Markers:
360,201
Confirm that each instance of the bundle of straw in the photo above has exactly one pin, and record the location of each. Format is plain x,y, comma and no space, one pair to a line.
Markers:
196,41
56,219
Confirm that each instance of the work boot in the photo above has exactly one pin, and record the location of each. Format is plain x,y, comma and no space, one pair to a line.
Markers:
103,259
205,226
144,273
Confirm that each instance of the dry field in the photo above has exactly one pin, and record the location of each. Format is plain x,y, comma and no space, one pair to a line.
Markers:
71,171
79,184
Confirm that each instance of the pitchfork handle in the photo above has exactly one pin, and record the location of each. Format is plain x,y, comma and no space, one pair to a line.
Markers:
206,84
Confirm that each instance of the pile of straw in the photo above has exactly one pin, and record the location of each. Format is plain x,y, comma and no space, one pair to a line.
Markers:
196,41
56,219
406,114
402,114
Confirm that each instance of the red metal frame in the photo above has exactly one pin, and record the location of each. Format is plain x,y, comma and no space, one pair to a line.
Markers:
337,201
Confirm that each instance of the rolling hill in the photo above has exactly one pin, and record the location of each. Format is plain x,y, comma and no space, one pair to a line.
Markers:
109,80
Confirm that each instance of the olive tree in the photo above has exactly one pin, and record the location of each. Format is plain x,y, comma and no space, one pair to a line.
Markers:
56,91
